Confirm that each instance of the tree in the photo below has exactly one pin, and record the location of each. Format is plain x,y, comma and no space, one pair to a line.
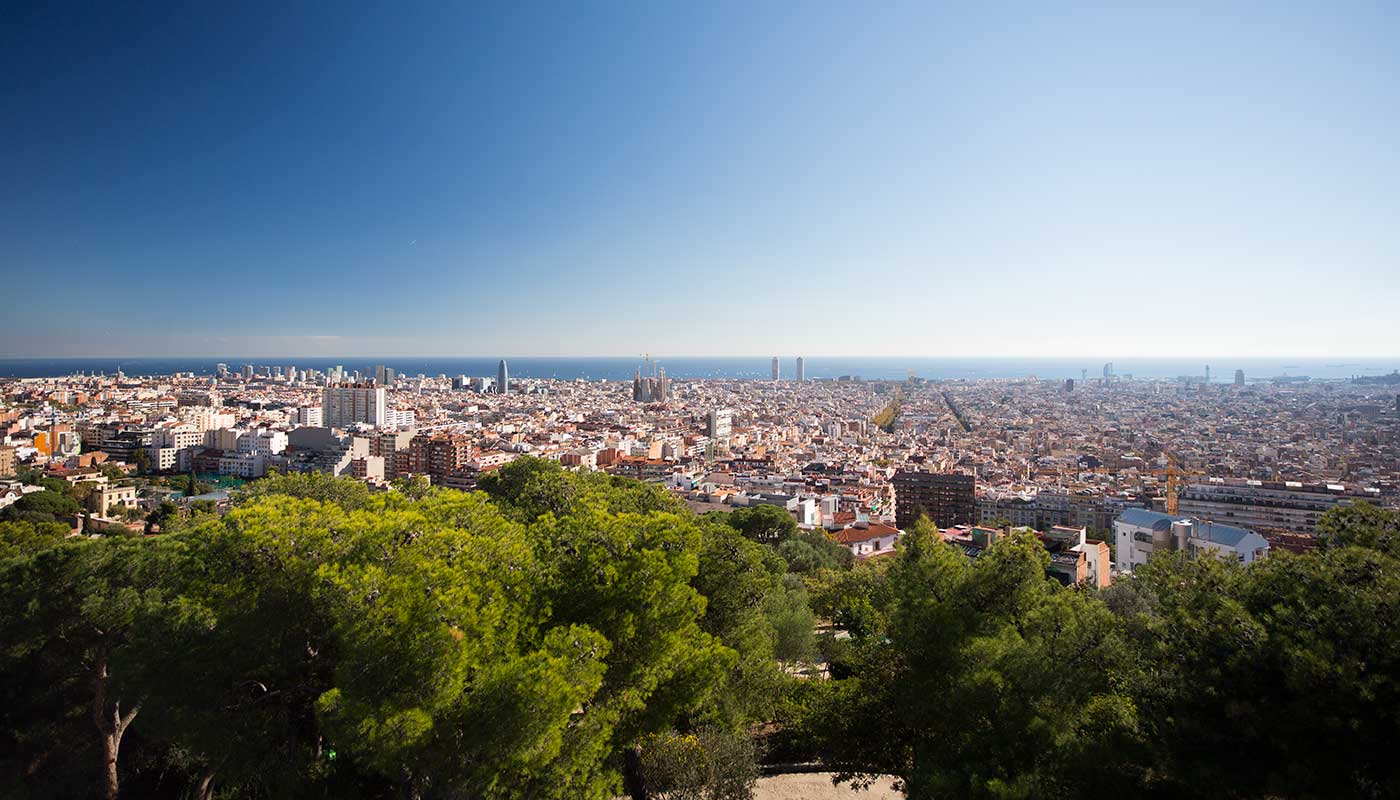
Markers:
416,487
527,488
628,576
1361,525
87,624
764,524
162,516
434,645
736,576
857,600
400,647
82,491
991,682
24,538
793,622
45,506
809,551
345,493
1290,660
111,471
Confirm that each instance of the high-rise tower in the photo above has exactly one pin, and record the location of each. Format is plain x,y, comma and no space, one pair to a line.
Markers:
801,373
502,378
776,370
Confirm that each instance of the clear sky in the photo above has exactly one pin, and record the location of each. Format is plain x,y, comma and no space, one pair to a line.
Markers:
981,178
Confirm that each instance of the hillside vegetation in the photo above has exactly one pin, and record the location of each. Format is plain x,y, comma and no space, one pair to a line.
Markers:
562,635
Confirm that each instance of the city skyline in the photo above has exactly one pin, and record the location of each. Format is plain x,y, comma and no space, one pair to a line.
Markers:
1020,181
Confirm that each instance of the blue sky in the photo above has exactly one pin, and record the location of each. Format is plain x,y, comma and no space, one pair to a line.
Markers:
1038,179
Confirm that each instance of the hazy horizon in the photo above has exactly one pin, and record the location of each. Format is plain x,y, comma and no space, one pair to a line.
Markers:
659,356
743,367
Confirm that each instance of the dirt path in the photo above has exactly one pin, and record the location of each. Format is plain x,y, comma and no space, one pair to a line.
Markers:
817,786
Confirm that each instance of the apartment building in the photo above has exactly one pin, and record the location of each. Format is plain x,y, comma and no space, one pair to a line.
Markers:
1140,533
344,405
946,499
1266,505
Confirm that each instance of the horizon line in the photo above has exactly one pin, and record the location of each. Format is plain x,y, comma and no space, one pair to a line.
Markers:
660,356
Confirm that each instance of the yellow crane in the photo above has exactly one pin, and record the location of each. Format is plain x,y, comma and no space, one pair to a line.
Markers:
1174,474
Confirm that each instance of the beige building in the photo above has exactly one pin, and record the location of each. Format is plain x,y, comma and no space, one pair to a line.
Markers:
106,499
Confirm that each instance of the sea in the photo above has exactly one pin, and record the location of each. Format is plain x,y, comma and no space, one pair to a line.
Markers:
735,367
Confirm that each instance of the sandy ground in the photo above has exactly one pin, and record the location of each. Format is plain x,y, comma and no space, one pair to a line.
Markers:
817,786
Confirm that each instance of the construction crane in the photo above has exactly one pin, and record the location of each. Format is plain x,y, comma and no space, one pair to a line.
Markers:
1173,477
1174,474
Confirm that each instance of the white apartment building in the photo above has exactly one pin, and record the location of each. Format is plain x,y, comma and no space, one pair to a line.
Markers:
205,418
720,423
173,445
243,464
178,436
343,406
262,442
308,417
165,459
1140,533
400,419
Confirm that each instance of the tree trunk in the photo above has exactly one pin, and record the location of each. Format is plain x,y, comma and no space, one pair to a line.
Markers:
111,724
632,778
110,746
204,790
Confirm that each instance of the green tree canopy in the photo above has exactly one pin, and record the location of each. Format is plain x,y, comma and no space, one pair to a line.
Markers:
45,506
807,552
24,538
764,524
990,683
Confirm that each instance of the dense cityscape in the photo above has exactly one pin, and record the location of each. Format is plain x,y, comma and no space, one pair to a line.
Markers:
1269,456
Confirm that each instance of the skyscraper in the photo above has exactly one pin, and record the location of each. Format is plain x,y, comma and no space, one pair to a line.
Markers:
776,370
1239,377
502,378
801,373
